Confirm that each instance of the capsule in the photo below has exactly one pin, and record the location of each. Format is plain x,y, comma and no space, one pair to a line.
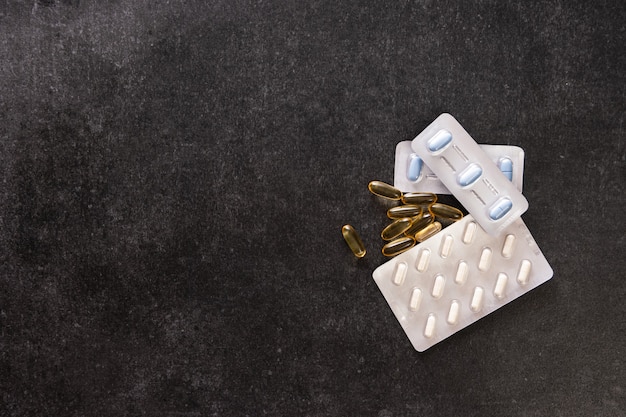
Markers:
477,300
524,272
500,208
396,228
421,263
439,141
353,240
429,330
469,175
407,210
414,169
506,167
500,287
446,212
396,247
384,190
400,273
415,300
461,273
468,233
485,260
453,313
428,231
438,286
509,245
421,199
419,222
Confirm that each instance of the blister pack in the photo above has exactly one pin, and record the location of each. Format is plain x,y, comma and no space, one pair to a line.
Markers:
458,276
470,175
411,174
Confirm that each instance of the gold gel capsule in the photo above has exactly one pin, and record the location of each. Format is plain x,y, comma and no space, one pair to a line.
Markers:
396,247
446,212
419,198
407,210
384,190
428,231
396,228
353,240
419,222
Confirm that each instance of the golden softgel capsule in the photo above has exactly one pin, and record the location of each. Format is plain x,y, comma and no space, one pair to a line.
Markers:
422,199
384,190
407,210
419,222
396,247
446,212
428,231
396,228
353,240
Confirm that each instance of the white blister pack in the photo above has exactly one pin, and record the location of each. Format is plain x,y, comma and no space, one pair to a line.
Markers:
459,276
411,174
470,175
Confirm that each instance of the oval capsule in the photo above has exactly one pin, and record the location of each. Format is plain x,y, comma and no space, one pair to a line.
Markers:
419,222
384,190
506,167
428,231
353,240
500,208
414,168
396,228
419,198
396,247
446,212
439,141
406,210
469,175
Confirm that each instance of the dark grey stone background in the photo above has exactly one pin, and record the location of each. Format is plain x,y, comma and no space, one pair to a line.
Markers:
174,177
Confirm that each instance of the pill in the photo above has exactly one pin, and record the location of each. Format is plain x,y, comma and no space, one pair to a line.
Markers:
461,273
396,228
498,291
445,211
524,272
477,300
407,210
419,222
506,167
500,208
438,286
429,331
353,240
439,141
485,259
416,299
400,273
469,175
396,247
414,169
422,260
428,231
468,233
453,313
419,198
509,245
384,190
446,246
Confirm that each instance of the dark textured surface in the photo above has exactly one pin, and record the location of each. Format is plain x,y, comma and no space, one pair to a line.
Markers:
174,177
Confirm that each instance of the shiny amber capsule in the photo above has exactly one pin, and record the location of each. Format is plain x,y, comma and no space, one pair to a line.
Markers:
419,222
407,210
396,247
396,228
353,240
419,198
384,190
428,231
446,212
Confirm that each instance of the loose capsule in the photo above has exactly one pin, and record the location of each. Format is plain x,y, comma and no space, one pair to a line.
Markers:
353,240
420,222
428,231
396,247
384,190
407,210
446,212
396,228
419,198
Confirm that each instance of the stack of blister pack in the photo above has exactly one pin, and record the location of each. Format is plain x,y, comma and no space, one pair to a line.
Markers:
477,264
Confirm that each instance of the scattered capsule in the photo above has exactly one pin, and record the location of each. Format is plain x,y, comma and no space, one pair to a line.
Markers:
384,190
407,210
353,240
446,212
419,222
396,247
396,228
419,198
428,231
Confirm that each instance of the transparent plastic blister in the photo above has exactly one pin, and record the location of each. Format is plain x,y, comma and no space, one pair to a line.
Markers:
458,276
410,174
469,173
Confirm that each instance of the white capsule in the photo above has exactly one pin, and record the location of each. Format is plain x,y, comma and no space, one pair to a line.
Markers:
446,246
429,331
453,314
461,273
477,300
416,299
509,245
468,234
524,272
485,260
438,286
422,260
498,291
400,273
